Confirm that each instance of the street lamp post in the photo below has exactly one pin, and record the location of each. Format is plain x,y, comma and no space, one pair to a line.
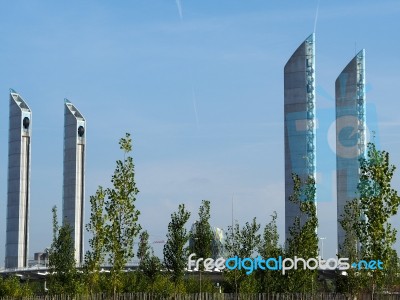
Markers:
199,270
200,282
322,246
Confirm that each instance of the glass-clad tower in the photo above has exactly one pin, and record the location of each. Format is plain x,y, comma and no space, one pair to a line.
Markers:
300,125
18,187
350,132
74,174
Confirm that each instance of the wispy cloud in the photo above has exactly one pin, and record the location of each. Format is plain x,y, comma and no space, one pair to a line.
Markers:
316,18
179,6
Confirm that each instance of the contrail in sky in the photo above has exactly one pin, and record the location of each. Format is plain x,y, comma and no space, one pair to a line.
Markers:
195,108
316,17
179,5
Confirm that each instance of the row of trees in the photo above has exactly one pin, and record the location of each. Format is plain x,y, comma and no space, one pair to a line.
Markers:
369,233
247,241
369,236
114,227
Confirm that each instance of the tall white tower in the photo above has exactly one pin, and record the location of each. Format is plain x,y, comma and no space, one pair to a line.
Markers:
74,175
18,187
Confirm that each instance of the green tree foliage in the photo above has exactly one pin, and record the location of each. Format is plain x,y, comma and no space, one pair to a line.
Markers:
303,239
11,287
163,287
201,242
233,278
202,235
242,242
376,204
150,265
250,239
175,252
392,279
144,247
270,281
122,216
192,284
64,276
114,220
351,281
96,226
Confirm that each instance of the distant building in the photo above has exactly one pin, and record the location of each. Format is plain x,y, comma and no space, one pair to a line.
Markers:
350,132
300,122
74,175
40,259
217,244
40,256
18,187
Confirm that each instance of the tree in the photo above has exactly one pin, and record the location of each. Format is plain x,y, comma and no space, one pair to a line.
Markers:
250,239
303,239
175,252
114,222
376,204
95,257
232,248
270,281
201,238
122,225
202,235
150,265
144,247
351,281
243,243
63,278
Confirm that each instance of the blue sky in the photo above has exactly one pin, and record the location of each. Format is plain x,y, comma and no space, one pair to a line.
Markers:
199,86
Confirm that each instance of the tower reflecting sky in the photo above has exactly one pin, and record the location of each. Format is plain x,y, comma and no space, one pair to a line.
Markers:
350,132
300,125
